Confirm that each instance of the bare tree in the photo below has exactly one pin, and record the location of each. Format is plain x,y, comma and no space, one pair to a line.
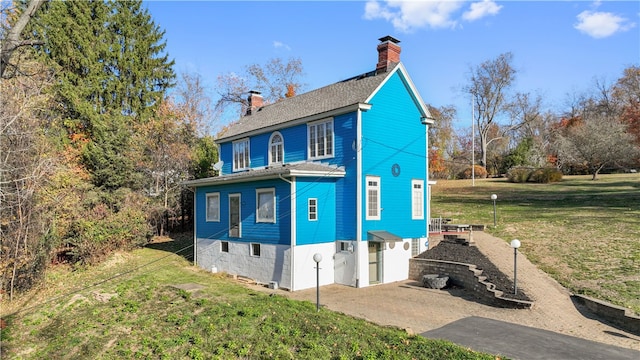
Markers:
275,80
12,35
489,85
597,140
526,110
25,164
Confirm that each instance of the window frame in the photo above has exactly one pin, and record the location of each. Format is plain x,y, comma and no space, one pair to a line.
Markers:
224,246
414,214
252,249
279,149
241,155
328,139
271,191
208,217
315,209
368,202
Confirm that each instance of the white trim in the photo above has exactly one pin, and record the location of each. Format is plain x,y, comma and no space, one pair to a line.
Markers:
315,211
206,210
358,147
271,191
251,252
246,162
332,147
270,148
420,215
413,91
377,187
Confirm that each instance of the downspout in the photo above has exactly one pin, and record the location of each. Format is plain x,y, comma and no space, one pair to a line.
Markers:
426,121
358,149
195,228
293,226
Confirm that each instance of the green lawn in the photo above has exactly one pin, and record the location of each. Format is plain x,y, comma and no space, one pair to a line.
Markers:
148,319
584,233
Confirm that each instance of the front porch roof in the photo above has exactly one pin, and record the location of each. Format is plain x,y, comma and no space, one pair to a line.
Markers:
305,169
382,236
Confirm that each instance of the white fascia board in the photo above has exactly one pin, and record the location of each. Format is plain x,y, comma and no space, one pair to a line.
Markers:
424,111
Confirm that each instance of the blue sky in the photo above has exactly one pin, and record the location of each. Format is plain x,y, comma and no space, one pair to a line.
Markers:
559,47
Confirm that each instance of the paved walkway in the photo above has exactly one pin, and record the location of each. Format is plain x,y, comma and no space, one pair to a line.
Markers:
409,306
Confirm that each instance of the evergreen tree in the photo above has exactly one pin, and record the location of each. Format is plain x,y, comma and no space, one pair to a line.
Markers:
111,73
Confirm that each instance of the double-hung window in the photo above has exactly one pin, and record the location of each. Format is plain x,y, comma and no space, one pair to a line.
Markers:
320,135
266,205
276,149
417,199
373,198
213,207
241,154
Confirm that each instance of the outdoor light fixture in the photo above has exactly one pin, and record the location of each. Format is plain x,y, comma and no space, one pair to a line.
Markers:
317,257
494,197
515,244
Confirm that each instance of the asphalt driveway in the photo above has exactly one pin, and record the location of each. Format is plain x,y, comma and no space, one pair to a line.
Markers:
525,343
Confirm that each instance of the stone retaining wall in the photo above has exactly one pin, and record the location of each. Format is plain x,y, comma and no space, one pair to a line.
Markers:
617,315
467,276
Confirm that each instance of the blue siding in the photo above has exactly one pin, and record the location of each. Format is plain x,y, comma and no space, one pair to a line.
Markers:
393,134
269,233
345,133
324,229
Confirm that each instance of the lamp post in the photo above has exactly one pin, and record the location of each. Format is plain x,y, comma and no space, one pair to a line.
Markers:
317,257
515,244
494,197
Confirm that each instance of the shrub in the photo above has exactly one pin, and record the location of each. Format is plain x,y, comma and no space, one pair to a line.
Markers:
519,174
545,175
479,172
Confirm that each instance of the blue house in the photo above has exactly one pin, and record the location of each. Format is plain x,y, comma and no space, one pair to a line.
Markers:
340,171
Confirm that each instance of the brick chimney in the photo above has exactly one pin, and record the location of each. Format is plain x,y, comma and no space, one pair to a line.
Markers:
255,102
388,53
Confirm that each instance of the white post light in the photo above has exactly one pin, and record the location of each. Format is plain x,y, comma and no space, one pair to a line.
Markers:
317,257
494,197
515,244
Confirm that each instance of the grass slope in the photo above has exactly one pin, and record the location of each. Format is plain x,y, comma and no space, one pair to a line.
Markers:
134,312
584,233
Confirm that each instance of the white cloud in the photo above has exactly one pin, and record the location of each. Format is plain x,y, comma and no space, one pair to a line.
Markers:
281,45
407,16
601,24
480,9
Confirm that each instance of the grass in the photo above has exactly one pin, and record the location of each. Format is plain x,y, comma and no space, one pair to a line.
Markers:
584,233
127,308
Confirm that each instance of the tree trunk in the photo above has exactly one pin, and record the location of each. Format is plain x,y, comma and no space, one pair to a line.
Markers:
12,39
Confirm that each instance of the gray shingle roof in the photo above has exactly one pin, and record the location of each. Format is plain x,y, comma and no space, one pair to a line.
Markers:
286,170
335,96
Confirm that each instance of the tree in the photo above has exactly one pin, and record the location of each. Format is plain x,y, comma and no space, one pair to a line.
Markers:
489,84
626,92
275,80
12,36
441,141
596,140
533,132
112,74
26,162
